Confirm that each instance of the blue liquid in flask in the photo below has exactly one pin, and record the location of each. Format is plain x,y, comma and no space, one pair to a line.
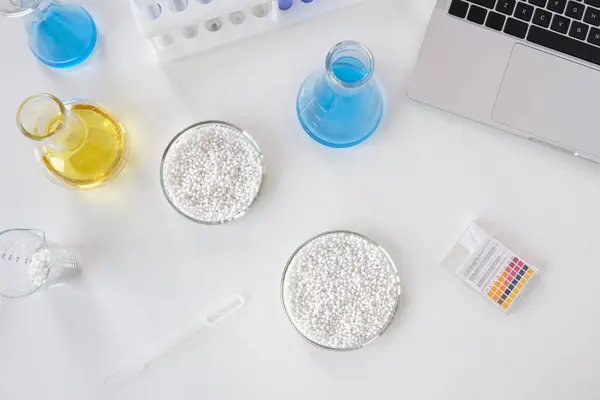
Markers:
62,36
343,106
349,69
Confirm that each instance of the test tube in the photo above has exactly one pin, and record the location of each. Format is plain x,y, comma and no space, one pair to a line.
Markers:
261,10
149,8
163,40
214,24
190,31
178,5
237,17
285,4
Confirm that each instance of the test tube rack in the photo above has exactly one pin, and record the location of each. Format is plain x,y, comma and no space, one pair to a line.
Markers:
201,25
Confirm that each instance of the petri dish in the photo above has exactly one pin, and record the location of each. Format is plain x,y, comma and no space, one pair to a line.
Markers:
212,172
340,290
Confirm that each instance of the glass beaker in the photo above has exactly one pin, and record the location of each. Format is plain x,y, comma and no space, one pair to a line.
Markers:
60,35
28,262
342,106
80,144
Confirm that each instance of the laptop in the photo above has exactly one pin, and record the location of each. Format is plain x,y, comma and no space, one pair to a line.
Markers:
529,67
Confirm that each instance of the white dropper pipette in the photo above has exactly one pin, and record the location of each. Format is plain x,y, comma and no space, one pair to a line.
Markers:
135,366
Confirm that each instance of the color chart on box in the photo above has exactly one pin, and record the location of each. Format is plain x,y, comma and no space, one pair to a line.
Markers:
497,273
511,281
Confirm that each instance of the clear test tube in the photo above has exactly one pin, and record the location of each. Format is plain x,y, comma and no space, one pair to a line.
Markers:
261,10
149,8
285,4
214,24
237,17
178,5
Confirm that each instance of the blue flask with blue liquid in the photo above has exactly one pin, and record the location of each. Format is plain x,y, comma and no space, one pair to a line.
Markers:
342,106
60,35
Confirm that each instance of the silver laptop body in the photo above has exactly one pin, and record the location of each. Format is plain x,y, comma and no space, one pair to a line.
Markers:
513,83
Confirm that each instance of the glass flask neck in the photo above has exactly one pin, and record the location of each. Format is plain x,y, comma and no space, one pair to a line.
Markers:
349,65
45,119
38,13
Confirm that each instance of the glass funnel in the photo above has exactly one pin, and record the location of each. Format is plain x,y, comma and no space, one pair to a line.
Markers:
80,144
60,35
343,105
28,262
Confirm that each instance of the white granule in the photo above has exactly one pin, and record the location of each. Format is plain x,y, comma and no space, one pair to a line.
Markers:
340,290
212,173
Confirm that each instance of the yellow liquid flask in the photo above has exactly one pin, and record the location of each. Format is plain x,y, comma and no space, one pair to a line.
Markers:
80,144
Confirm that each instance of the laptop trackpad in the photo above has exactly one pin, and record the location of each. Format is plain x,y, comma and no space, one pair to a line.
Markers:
551,98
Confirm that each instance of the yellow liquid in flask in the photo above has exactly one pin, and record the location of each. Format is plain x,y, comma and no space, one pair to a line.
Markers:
90,158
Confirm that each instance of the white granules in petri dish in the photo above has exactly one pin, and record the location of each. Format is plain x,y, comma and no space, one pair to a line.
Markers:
212,172
340,290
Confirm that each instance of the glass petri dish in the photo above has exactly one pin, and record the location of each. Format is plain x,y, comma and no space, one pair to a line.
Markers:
330,294
212,172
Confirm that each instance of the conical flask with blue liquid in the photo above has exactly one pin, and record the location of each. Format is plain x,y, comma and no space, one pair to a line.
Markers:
343,105
60,35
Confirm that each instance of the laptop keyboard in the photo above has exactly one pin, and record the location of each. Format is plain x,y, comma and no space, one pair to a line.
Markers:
571,27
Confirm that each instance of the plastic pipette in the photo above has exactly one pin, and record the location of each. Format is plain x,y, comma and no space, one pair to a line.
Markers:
135,366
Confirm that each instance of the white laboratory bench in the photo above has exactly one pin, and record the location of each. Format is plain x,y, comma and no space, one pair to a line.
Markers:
413,187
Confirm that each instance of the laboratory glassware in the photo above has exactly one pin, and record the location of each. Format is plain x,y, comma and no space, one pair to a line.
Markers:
177,29
330,239
343,105
28,262
151,9
80,144
223,192
285,4
60,35
177,5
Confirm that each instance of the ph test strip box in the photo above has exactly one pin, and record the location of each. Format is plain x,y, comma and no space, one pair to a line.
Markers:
491,268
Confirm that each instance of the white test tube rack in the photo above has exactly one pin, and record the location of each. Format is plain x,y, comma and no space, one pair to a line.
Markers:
206,24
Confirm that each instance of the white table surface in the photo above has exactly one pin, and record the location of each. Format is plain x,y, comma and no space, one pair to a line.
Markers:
413,187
